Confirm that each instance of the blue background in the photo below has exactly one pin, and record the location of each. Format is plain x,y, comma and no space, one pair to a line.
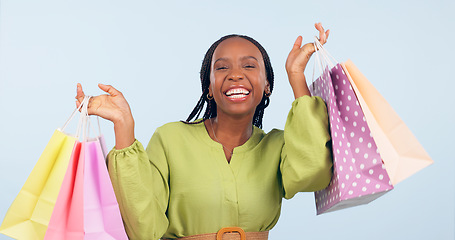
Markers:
152,52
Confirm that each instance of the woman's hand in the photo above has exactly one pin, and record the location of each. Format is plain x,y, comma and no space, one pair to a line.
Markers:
299,56
298,59
113,107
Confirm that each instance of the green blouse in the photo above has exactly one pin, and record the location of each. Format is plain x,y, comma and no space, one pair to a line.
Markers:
182,184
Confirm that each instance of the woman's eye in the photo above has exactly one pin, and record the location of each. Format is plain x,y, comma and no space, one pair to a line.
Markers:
250,66
220,68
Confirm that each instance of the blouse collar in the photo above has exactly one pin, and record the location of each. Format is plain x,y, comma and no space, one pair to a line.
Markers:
253,141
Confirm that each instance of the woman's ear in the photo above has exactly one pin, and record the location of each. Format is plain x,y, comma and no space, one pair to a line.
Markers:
267,91
267,88
210,93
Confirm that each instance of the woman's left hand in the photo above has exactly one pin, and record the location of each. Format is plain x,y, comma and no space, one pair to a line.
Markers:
298,59
299,56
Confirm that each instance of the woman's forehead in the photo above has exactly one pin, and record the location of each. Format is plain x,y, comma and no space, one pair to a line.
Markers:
236,47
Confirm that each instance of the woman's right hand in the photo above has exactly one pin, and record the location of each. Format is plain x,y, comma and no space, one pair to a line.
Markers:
113,107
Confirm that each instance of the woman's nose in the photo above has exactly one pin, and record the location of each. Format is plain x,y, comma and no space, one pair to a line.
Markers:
235,75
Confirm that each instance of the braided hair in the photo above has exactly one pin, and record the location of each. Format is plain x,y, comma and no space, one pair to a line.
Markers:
210,110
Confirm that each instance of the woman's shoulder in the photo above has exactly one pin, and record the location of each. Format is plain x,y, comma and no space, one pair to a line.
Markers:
273,136
276,133
179,129
179,126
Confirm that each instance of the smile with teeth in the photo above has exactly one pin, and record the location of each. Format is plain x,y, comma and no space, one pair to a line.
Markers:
236,93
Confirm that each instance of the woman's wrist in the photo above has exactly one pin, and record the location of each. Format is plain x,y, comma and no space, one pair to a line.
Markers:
124,132
298,84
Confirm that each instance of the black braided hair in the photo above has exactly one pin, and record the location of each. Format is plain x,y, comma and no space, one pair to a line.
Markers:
210,110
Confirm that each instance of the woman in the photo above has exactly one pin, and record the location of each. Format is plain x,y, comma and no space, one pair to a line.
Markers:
222,170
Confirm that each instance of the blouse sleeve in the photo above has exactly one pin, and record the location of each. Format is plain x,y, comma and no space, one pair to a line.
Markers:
140,181
306,160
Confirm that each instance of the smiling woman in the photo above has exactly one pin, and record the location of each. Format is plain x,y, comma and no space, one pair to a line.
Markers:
205,178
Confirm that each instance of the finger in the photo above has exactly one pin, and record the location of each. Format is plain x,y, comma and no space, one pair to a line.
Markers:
319,27
322,35
109,89
90,109
92,105
79,93
326,36
297,43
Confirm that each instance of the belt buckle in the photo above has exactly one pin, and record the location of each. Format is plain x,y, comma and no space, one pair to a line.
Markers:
219,234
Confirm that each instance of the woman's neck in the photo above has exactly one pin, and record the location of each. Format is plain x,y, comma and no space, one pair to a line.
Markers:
230,131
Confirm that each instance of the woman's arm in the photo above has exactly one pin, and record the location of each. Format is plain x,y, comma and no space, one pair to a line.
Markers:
306,160
141,183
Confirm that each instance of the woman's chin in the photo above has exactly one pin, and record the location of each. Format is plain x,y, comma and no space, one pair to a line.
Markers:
238,111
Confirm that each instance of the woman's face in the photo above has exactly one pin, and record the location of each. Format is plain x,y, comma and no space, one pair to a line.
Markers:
238,78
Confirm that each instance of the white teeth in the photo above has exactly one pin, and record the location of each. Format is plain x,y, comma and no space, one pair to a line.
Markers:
237,96
241,91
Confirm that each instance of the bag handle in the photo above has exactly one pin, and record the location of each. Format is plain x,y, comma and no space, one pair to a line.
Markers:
72,116
318,60
322,58
325,54
83,103
84,120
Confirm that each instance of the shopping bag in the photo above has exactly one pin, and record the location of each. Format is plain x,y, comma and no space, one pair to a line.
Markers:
359,175
401,152
102,219
29,214
69,202
86,207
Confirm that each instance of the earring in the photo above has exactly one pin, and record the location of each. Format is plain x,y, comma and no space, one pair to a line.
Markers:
209,97
267,94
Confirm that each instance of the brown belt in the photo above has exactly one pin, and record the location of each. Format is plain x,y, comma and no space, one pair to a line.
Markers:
229,233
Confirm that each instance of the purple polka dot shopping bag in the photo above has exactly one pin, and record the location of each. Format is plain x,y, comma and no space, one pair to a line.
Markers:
359,175
372,147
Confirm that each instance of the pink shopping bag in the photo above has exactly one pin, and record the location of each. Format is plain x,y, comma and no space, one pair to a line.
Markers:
359,175
67,220
86,206
102,219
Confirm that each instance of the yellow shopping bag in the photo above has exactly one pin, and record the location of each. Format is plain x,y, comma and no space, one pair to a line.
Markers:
399,149
29,214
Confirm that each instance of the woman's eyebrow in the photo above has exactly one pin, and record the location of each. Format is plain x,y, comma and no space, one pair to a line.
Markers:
246,57
242,58
220,59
